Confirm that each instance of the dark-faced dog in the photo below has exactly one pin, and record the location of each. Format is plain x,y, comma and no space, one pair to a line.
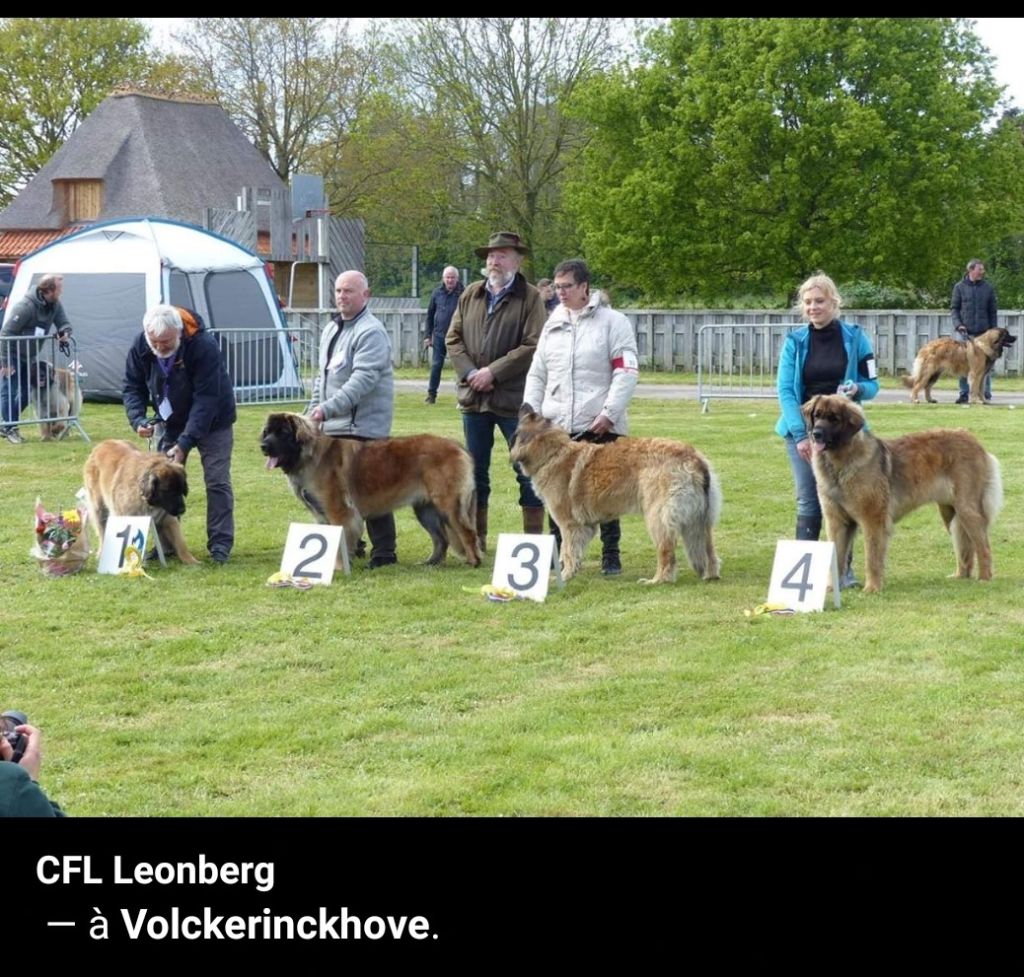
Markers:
342,481
972,359
56,396
121,480
869,483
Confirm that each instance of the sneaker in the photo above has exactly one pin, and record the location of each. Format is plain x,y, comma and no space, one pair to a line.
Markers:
381,561
13,436
218,556
430,399
611,566
962,399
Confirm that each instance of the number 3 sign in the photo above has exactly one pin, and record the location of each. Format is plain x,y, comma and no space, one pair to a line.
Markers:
523,562
800,574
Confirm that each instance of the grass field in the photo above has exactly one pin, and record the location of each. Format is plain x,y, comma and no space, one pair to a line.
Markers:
203,692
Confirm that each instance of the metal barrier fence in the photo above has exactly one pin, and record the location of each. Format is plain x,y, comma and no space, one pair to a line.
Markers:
268,366
43,374
738,360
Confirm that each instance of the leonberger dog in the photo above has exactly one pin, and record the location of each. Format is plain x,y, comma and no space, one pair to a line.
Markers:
972,359
121,480
343,481
56,394
585,484
867,482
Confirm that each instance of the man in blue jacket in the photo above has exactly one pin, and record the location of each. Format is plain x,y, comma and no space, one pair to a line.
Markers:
443,302
176,366
973,309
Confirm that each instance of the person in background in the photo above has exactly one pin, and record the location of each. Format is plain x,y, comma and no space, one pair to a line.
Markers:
825,356
20,763
443,302
547,293
973,310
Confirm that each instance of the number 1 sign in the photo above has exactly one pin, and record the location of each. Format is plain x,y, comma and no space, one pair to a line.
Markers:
800,574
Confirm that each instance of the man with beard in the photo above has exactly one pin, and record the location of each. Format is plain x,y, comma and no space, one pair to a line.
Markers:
442,306
491,341
354,395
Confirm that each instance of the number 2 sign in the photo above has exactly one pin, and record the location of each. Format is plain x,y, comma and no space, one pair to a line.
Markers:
311,551
800,574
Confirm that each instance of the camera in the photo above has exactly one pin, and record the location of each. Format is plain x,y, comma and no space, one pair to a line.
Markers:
9,721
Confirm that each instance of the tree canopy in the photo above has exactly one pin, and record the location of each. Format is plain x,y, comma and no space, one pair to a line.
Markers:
744,154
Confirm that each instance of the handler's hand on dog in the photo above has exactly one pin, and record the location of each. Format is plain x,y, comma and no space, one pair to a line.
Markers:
602,424
803,449
317,415
146,431
176,454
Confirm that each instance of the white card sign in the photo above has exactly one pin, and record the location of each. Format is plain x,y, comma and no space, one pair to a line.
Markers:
523,562
311,552
124,543
800,574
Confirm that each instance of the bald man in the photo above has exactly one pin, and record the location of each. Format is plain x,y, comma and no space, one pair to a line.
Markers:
443,302
354,392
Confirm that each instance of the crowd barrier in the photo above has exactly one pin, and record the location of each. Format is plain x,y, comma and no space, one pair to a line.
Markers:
40,385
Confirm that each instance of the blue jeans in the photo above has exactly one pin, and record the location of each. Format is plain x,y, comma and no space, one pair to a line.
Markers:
14,393
439,351
803,478
965,387
478,428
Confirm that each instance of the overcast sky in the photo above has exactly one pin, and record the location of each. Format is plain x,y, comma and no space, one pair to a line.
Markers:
1003,36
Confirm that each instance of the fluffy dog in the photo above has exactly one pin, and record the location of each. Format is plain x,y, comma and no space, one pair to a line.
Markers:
870,483
342,481
972,359
121,480
56,394
585,484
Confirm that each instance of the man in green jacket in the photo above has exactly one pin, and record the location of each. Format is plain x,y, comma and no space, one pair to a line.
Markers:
491,341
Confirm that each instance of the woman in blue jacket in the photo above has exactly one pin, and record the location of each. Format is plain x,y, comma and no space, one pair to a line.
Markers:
826,356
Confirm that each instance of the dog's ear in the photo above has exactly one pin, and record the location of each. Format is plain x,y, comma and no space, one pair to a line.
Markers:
853,419
147,485
526,412
808,411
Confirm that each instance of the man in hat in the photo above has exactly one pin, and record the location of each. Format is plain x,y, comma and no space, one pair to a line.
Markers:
491,340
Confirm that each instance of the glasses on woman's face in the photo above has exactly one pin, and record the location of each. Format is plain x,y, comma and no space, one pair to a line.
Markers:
565,286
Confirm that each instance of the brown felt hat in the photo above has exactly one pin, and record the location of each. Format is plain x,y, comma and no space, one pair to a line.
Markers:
503,239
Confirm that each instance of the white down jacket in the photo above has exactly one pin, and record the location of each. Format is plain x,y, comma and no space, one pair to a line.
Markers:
584,370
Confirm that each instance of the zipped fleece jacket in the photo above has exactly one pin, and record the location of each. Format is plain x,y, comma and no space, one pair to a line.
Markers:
974,305
27,315
860,369
199,388
582,371
356,386
504,341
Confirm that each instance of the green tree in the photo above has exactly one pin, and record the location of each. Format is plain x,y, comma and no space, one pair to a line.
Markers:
743,154
290,83
53,72
498,84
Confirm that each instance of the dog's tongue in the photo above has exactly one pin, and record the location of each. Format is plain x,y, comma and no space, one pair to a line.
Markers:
817,447
271,463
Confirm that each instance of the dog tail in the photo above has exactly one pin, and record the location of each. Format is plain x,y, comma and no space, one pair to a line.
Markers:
992,498
467,510
910,378
698,538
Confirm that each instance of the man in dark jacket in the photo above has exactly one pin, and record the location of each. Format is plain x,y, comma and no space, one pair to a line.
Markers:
176,366
31,316
973,309
491,340
443,302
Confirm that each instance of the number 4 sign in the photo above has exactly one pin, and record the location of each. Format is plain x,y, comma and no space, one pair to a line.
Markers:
800,574
523,562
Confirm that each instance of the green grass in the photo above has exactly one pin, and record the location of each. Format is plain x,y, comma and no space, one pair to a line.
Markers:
204,692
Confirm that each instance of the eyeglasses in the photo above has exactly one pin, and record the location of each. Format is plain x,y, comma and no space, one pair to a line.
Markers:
564,288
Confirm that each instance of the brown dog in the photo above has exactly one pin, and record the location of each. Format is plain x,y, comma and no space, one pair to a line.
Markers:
972,359
342,481
585,484
56,394
121,480
866,482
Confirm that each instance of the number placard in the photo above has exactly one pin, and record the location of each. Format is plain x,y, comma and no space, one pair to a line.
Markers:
124,543
311,551
800,574
523,562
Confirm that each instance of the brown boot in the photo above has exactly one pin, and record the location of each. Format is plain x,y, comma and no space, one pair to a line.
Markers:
533,519
481,527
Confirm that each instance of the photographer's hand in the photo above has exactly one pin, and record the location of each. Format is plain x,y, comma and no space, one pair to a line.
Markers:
33,758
